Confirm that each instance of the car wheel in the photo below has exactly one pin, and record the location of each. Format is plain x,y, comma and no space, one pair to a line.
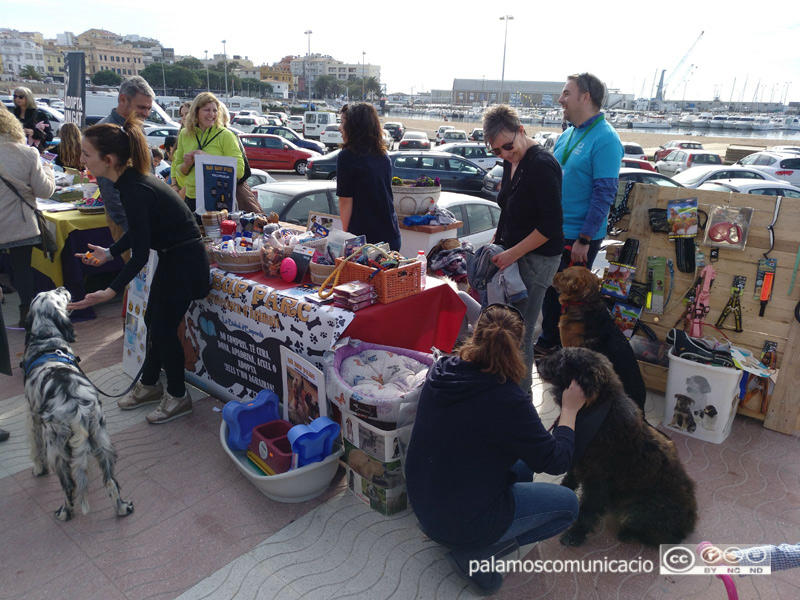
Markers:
300,167
332,176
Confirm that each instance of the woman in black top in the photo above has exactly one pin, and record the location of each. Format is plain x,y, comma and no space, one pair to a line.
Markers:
530,225
364,178
157,219
34,122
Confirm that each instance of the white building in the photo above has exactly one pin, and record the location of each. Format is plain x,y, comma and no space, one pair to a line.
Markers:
280,89
317,65
17,53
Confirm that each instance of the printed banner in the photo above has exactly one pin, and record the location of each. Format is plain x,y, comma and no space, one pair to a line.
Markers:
216,184
135,342
232,339
75,88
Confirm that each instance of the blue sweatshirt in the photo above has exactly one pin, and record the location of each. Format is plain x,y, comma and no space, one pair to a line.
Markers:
468,433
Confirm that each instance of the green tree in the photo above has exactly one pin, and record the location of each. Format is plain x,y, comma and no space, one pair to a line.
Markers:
176,77
190,62
30,72
106,77
326,86
372,87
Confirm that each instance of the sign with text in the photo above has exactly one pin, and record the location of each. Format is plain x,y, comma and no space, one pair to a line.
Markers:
216,183
75,88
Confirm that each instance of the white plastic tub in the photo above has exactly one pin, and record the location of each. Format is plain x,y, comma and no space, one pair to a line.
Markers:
706,398
298,485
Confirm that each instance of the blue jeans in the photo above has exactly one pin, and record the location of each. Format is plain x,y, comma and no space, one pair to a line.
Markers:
542,509
537,274
551,307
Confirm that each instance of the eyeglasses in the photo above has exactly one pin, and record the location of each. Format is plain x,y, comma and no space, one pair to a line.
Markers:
507,147
19,95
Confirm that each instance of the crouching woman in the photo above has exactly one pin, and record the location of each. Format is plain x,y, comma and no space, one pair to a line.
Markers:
476,443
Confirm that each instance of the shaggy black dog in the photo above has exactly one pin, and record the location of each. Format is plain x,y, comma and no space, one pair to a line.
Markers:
67,423
628,468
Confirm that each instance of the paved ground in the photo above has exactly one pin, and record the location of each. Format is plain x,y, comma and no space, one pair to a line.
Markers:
200,530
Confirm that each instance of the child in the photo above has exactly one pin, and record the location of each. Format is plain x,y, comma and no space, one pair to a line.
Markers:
785,556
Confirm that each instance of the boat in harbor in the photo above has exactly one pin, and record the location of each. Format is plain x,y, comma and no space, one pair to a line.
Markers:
687,120
702,120
762,123
792,123
651,122
744,122
717,121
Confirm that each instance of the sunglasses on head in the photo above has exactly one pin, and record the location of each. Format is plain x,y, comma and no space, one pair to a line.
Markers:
507,147
513,309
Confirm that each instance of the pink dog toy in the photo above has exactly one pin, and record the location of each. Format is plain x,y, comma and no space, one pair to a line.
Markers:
730,586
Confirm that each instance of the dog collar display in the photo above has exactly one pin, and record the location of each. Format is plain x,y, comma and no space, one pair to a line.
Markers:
57,356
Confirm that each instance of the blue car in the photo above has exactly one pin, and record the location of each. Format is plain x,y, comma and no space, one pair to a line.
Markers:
291,135
456,174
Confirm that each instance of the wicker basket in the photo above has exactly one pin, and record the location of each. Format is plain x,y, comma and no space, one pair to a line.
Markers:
319,273
414,200
241,262
391,285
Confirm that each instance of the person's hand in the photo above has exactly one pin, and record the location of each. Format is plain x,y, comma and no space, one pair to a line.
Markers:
96,256
573,398
182,193
505,259
188,158
28,132
580,253
92,299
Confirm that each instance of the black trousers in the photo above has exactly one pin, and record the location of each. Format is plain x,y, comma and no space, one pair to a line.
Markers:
23,273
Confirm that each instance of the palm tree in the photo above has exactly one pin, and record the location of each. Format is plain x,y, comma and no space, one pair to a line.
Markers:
30,72
372,87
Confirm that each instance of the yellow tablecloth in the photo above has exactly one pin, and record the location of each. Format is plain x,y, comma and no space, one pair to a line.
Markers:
61,225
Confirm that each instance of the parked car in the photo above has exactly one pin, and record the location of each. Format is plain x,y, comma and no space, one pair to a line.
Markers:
273,152
782,165
257,177
492,181
156,135
453,135
476,135
396,129
649,177
295,122
331,136
293,200
414,140
247,123
474,152
751,186
441,130
633,150
315,122
456,174
637,163
479,217
323,167
679,161
792,149
296,138
664,150
694,178
550,142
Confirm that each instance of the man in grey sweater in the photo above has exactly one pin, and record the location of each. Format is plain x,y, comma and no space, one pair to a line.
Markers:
135,96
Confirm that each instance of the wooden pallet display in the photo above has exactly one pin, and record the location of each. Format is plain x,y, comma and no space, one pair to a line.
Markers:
777,324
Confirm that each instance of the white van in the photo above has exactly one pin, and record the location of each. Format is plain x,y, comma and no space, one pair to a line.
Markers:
100,105
315,122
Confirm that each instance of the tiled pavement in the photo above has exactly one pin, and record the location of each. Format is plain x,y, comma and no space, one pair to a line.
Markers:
200,530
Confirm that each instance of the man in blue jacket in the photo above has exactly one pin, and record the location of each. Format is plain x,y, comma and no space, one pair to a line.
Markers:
590,154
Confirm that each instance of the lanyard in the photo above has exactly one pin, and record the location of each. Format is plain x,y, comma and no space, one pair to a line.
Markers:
206,141
568,150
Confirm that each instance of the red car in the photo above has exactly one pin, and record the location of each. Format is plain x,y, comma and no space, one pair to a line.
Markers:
272,152
664,150
635,163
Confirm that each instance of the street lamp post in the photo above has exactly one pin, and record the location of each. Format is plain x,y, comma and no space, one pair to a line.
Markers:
163,77
208,85
363,54
305,77
505,18
225,57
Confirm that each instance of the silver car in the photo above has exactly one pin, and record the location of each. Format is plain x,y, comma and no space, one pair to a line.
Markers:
679,161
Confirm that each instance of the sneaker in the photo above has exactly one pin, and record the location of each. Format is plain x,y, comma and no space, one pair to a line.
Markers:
142,394
541,350
4,435
171,408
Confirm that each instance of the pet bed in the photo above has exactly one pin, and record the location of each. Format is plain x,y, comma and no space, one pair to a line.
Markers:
370,380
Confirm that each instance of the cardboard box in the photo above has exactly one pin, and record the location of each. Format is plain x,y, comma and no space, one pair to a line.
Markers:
378,443
386,501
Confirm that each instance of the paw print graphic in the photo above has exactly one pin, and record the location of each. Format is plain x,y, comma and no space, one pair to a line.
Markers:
299,347
313,338
323,335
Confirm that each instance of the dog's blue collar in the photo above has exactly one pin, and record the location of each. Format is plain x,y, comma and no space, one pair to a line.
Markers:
56,356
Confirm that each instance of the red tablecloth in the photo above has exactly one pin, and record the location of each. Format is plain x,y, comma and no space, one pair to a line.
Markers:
431,318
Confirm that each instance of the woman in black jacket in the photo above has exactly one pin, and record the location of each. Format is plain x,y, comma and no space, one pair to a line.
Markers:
34,122
476,442
157,219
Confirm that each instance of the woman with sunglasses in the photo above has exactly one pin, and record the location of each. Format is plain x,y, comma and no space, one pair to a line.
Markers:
530,225
476,443
34,122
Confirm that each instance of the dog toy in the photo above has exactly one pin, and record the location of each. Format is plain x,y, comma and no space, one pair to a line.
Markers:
91,259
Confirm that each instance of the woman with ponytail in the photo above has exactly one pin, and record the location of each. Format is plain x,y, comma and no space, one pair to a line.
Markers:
476,443
158,219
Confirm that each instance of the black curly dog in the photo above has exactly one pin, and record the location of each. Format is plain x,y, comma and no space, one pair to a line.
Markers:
628,468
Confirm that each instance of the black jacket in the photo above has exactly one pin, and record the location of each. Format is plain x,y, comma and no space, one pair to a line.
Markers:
468,433
30,119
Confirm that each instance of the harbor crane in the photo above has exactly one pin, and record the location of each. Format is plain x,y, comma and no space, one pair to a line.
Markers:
663,86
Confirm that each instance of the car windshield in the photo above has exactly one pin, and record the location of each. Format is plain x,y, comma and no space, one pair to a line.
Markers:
270,200
692,176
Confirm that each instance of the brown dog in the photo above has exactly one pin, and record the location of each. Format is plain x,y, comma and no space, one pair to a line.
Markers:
586,323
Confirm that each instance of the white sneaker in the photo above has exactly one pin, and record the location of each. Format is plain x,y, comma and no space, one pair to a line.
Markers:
141,395
171,408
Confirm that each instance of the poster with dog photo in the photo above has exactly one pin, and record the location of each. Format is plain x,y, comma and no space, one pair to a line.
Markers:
304,396
682,218
618,281
625,317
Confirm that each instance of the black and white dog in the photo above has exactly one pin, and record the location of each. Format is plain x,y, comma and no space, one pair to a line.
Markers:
66,417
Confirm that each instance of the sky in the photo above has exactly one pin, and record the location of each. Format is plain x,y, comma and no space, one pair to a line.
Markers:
425,45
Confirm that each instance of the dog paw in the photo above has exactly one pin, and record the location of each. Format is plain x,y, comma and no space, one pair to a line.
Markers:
124,509
573,538
63,513
40,470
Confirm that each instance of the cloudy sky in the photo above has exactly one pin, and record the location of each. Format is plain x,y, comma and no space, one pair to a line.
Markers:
425,45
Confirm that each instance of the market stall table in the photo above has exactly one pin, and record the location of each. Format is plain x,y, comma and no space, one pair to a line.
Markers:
232,338
73,232
424,237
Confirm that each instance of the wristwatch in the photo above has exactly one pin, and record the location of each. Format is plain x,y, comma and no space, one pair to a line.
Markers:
584,240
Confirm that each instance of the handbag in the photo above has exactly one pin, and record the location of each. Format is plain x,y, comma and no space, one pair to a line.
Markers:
48,245
246,199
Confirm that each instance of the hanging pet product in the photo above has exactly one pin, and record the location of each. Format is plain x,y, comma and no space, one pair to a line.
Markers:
620,273
656,276
620,208
728,227
699,308
683,225
734,304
